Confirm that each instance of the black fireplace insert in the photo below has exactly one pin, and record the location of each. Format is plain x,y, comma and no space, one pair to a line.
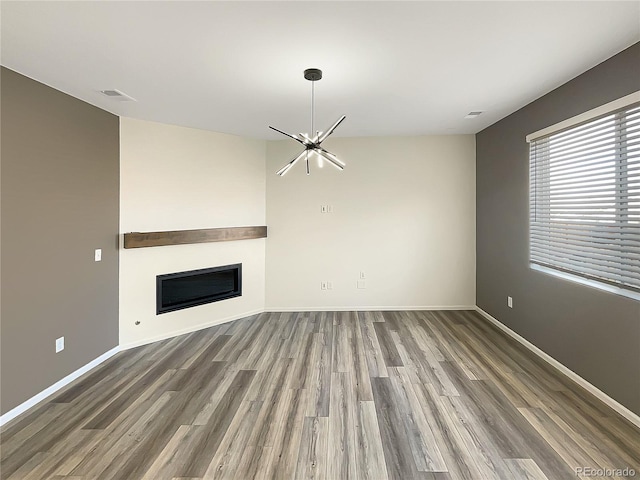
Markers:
175,291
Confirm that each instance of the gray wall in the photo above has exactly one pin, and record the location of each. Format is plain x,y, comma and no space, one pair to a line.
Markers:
60,200
594,333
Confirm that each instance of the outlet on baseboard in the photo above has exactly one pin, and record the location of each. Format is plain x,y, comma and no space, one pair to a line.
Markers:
509,302
59,344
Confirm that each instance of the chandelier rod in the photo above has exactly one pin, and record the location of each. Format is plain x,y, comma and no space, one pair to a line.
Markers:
313,103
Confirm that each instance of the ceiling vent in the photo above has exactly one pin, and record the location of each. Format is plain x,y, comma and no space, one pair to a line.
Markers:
117,95
473,114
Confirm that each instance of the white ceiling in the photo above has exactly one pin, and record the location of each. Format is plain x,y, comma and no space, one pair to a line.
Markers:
394,68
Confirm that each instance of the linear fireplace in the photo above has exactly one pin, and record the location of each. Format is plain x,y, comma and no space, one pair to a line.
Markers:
175,291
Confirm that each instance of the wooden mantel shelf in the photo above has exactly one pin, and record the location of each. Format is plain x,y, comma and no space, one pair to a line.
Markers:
182,237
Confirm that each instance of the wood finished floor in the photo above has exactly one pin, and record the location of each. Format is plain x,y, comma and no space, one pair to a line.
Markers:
323,395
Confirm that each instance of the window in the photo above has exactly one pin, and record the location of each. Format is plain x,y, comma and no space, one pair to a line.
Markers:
585,199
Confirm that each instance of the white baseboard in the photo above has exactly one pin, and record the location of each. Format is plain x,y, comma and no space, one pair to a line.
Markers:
191,329
368,308
621,409
23,407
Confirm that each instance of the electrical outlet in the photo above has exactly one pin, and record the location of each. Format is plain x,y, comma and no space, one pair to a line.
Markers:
362,276
323,285
362,284
98,255
59,344
326,208
509,302
329,285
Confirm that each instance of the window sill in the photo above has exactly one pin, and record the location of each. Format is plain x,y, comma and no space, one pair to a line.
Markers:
585,281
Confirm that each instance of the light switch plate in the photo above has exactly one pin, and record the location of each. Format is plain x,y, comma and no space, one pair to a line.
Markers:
59,344
98,255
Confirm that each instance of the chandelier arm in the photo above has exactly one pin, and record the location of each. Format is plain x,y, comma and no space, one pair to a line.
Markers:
330,131
308,171
286,168
328,154
327,157
295,137
306,138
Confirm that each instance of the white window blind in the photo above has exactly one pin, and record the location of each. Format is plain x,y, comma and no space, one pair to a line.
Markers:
585,199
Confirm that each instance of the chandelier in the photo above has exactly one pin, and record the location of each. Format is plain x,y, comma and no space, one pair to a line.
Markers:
312,142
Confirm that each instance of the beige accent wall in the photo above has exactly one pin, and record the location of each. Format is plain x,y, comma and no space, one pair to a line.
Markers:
59,202
403,213
175,178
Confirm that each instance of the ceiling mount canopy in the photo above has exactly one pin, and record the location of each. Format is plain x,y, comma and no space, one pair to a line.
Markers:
310,141
313,74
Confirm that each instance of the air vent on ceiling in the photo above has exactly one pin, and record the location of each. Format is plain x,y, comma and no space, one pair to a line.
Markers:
473,114
117,95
